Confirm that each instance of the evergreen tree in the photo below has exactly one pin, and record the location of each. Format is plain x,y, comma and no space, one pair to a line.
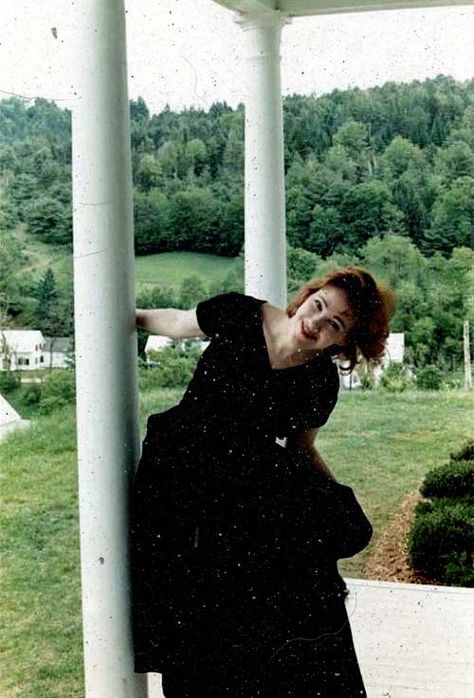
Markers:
47,313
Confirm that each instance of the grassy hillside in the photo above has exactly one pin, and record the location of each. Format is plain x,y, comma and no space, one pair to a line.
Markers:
40,256
381,444
167,269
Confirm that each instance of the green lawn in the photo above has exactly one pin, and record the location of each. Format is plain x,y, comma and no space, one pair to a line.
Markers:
380,444
170,268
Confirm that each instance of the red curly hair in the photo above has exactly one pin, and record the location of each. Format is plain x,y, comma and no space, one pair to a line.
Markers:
371,303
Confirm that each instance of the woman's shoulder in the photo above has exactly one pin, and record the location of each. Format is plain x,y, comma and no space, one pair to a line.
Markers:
227,312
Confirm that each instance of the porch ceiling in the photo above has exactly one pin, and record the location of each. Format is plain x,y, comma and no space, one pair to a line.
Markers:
302,8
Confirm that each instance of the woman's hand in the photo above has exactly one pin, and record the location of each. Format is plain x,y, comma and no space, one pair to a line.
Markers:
169,322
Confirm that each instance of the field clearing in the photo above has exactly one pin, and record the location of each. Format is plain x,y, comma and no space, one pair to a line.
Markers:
170,268
380,444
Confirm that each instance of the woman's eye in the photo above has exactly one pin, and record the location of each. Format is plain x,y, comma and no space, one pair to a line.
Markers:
335,326
318,304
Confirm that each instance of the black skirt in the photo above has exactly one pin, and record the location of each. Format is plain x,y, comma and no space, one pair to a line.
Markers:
235,588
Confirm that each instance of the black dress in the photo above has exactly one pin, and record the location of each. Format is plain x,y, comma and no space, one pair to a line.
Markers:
234,538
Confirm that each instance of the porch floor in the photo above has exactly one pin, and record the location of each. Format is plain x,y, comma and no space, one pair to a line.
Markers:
413,640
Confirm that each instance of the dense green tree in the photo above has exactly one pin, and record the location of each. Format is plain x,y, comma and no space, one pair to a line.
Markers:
230,238
302,265
49,219
149,173
368,210
454,161
150,222
453,218
395,259
399,156
192,220
12,258
139,120
47,313
327,233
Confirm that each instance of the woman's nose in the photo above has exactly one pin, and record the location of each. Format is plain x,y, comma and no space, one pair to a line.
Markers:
318,321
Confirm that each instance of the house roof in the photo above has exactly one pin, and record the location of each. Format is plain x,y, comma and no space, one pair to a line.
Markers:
22,341
57,344
156,342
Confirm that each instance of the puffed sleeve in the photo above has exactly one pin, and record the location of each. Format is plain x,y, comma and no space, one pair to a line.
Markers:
226,313
347,528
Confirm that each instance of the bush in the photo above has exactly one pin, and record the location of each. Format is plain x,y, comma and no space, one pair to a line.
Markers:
466,452
31,394
429,378
396,378
9,382
175,365
57,390
441,541
367,380
454,479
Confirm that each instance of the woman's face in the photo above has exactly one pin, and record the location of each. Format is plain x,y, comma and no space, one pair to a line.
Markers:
323,320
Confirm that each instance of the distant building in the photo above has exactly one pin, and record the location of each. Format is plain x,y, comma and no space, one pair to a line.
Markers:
29,350
394,353
156,343
56,351
21,350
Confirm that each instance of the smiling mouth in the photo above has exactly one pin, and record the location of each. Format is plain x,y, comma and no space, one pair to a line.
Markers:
307,334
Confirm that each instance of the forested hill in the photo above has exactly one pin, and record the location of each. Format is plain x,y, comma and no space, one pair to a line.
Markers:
359,164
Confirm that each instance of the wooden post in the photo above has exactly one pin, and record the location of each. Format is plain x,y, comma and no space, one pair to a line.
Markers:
467,357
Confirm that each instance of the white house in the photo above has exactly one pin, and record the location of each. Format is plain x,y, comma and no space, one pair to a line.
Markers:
394,353
21,350
157,342
56,351
395,350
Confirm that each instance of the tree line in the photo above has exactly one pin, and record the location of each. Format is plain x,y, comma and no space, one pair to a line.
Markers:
359,164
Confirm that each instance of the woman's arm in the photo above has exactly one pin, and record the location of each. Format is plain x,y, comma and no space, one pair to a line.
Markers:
304,444
169,322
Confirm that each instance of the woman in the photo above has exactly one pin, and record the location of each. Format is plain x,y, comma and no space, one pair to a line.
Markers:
237,522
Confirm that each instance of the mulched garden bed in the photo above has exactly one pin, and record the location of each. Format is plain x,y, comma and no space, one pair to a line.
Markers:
389,561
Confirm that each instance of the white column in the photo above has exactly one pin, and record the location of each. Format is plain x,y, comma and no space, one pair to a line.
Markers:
107,414
265,240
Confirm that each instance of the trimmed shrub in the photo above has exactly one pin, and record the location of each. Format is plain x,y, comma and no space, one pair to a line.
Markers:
466,452
441,541
429,378
454,479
